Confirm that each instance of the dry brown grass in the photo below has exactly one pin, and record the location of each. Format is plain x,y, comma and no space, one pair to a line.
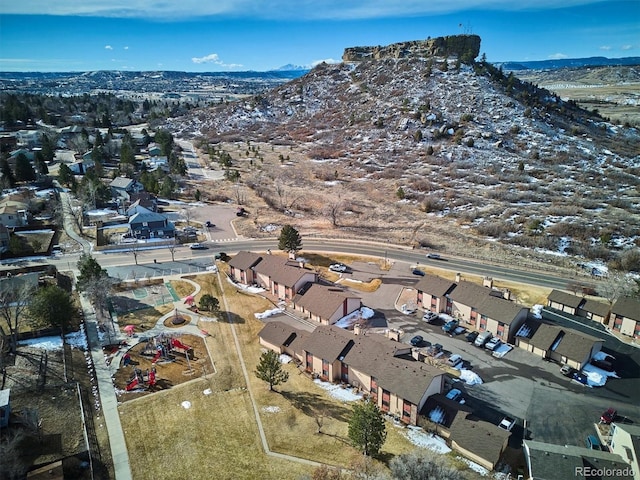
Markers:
218,433
146,317
183,289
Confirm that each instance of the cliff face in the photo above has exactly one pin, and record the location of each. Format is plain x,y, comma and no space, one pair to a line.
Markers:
465,47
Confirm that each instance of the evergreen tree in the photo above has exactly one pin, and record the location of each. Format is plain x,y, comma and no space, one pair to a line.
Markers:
367,429
65,175
209,303
52,306
270,369
290,240
89,270
8,180
24,170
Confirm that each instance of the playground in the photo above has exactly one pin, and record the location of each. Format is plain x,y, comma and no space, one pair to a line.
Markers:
160,362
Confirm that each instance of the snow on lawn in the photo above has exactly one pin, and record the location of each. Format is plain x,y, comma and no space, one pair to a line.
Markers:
246,288
75,339
284,358
420,438
469,377
268,313
271,409
475,467
350,320
337,391
186,405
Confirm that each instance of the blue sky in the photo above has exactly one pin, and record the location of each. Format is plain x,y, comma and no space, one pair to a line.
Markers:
223,35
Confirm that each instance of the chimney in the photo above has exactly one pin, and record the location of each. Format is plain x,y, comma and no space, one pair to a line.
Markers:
292,255
301,263
507,294
458,277
357,329
487,282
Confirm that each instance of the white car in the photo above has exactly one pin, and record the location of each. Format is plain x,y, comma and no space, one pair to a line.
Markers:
408,309
430,317
338,267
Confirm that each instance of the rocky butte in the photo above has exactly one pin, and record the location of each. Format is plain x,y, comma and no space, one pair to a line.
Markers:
465,47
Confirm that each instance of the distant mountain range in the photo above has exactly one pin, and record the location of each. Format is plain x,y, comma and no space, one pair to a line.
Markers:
569,63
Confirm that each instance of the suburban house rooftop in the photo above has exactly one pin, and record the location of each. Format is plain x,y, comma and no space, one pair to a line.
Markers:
322,300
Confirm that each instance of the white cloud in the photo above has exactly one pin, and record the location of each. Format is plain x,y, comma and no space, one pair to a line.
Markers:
215,59
605,47
211,58
108,47
558,56
126,48
289,9
627,47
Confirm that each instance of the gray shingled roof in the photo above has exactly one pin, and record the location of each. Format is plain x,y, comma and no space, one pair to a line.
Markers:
281,270
244,260
434,285
574,345
598,308
565,298
328,343
558,462
322,300
544,336
121,182
479,437
469,293
279,333
499,309
627,307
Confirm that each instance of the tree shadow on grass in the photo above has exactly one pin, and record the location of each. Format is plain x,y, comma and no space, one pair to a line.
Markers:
312,404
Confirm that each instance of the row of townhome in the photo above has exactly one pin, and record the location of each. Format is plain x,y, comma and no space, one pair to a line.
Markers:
477,307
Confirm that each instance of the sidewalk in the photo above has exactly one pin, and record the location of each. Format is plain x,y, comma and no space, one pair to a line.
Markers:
107,394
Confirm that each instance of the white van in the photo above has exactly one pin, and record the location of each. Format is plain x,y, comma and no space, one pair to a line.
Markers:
483,338
454,360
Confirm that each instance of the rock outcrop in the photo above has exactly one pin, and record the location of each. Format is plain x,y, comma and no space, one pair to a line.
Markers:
465,47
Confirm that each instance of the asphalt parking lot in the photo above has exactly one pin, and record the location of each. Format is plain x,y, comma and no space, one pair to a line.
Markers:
520,384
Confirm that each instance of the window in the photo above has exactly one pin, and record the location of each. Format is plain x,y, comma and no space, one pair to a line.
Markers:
500,332
386,400
617,323
325,369
483,323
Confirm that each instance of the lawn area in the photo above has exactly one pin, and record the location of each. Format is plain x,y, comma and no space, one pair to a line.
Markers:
146,317
217,436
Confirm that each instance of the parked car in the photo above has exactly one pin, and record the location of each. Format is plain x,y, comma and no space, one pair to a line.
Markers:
507,423
430,317
458,331
418,272
435,350
338,267
492,344
198,246
482,338
434,256
567,371
608,416
580,378
592,442
408,310
454,360
221,256
454,394
450,326
471,337
602,364
417,340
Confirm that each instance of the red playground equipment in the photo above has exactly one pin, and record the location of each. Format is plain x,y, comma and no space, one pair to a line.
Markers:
140,379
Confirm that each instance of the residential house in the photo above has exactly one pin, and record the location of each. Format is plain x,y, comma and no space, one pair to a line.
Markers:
432,293
479,441
625,316
565,302
594,310
28,138
123,187
283,338
563,345
154,163
154,150
485,309
625,441
372,363
241,267
14,213
144,199
546,461
145,224
21,151
326,304
282,277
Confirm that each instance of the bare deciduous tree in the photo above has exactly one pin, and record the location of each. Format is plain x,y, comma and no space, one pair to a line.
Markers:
15,296
333,210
